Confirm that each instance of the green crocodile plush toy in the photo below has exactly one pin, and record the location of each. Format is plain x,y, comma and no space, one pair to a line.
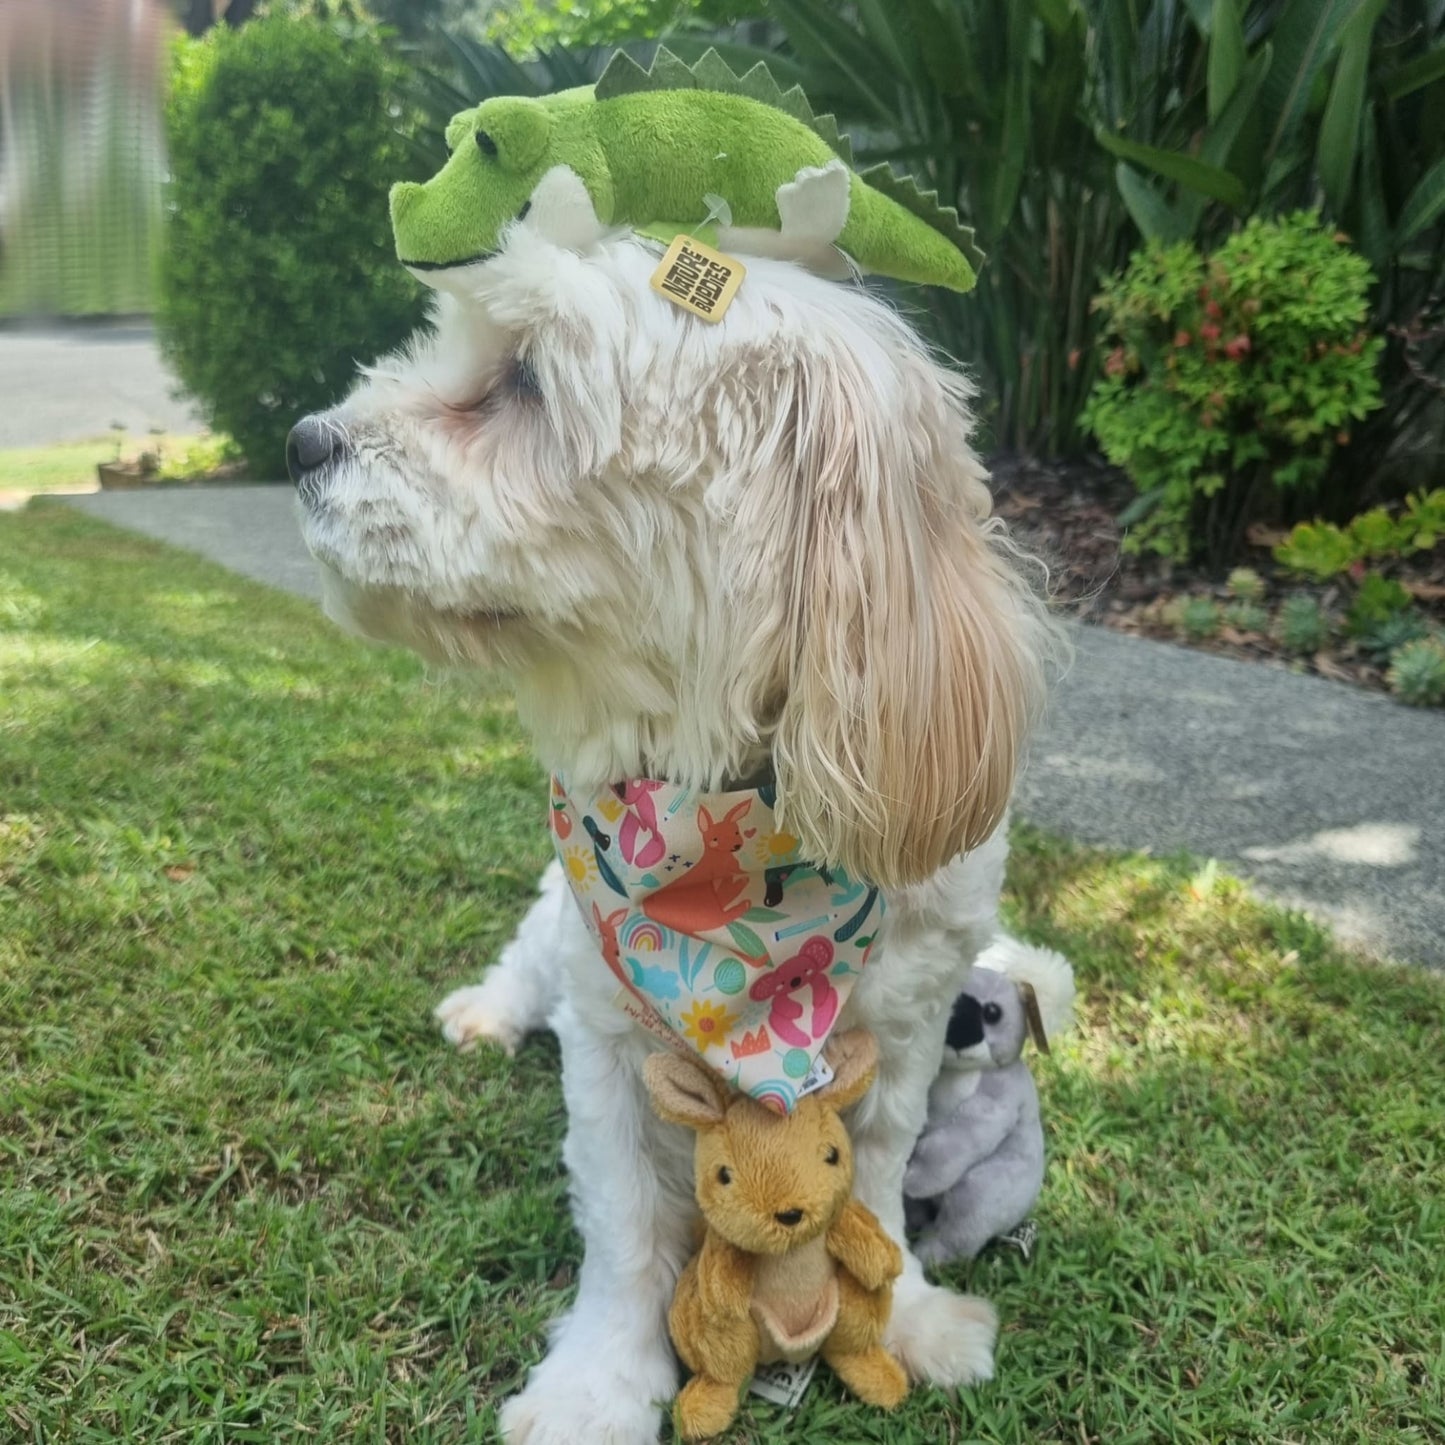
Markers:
676,149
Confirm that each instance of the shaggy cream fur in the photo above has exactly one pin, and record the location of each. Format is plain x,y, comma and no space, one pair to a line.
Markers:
701,551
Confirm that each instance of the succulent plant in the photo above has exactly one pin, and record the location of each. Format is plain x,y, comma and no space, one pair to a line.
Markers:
1302,626
1387,637
1417,673
1245,584
1195,617
1377,600
1247,617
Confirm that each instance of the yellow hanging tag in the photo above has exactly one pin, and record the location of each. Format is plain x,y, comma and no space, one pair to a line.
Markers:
698,279
1033,1016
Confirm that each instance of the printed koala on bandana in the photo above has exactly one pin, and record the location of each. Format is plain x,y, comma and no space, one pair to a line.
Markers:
717,932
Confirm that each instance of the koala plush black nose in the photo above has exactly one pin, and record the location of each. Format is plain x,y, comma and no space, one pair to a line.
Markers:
311,445
790,1217
965,1026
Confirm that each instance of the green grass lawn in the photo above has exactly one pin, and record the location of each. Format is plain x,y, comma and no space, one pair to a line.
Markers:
247,1195
67,465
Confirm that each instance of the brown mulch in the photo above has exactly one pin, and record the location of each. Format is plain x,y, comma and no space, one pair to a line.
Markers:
1064,512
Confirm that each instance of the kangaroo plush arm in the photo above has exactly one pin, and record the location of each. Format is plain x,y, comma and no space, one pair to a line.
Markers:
724,1278
858,1243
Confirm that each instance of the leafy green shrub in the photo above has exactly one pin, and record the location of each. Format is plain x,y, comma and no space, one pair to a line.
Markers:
278,274
1302,626
1247,617
1231,380
1295,102
1417,673
1322,550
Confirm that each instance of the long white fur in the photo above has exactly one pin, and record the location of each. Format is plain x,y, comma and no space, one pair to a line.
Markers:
698,549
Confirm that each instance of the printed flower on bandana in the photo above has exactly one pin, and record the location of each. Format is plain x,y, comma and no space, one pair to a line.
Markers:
774,849
580,863
707,1023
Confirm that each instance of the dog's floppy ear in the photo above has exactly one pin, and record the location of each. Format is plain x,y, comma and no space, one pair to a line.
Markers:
685,1091
915,647
853,1057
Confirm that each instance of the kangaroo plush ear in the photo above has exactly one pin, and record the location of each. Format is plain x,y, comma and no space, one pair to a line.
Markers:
685,1091
853,1057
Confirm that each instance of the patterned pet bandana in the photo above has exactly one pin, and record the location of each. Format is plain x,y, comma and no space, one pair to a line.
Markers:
718,933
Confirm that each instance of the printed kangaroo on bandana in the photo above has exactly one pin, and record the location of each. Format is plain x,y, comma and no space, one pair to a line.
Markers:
716,930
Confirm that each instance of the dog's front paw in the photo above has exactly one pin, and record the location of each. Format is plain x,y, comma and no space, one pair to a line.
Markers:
474,1015
942,1337
581,1405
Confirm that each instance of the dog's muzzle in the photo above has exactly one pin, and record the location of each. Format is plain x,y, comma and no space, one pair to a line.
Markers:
312,446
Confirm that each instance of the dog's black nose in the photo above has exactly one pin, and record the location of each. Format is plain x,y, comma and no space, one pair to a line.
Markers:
312,444
789,1217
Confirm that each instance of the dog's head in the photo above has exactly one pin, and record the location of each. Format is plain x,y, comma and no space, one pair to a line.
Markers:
699,549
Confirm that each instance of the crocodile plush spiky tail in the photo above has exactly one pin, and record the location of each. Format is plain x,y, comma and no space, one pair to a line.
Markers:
893,227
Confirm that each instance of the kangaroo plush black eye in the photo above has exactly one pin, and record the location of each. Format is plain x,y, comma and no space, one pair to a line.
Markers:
724,1175
992,1013
831,1157
486,144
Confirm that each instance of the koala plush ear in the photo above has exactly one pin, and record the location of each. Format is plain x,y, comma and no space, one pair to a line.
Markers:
853,1057
1049,974
685,1091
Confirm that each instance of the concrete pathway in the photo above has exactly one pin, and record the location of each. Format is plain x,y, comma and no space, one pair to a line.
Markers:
74,382
1329,797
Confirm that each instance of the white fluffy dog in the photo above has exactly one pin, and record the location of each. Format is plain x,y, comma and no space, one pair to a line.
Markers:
702,552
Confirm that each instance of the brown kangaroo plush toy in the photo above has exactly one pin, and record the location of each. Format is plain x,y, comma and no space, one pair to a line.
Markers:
791,1264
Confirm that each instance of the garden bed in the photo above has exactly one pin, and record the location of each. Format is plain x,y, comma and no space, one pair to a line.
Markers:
1065,512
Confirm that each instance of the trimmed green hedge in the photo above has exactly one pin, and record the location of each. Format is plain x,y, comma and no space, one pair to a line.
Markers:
278,274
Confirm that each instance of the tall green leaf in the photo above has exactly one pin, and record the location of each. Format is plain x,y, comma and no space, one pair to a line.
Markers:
1154,216
817,35
1304,37
1417,74
1423,205
1226,55
1197,175
1013,134
1374,237
1340,128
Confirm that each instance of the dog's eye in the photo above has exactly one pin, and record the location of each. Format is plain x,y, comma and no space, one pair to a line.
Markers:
486,144
832,1156
724,1175
992,1013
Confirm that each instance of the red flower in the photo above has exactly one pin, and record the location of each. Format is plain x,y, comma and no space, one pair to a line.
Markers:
1115,364
1213,310
1238,348
1209,332
1182,338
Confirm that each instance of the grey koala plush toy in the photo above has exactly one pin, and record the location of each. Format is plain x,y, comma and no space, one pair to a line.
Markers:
978,1166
